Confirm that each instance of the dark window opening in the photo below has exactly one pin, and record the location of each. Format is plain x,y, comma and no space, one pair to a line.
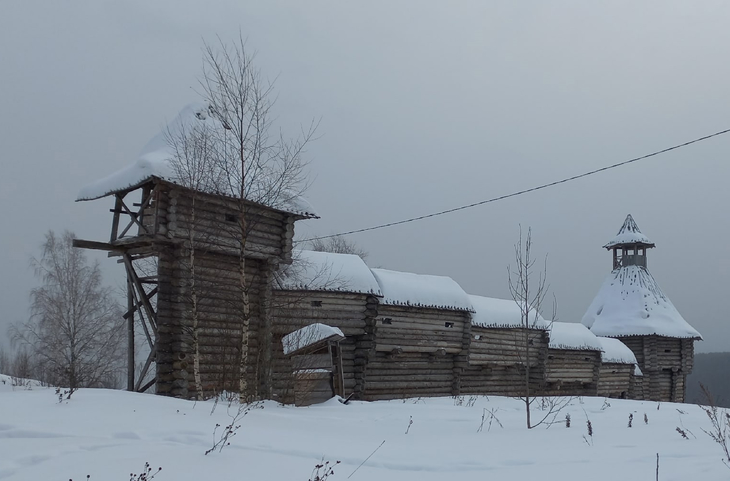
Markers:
667,350
448,324
316,303
231,218
387,320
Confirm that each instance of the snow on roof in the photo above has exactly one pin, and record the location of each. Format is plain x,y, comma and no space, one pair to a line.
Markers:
157,160
615,351
325,271
637,370
309,335
629,234
573,336
406,289
630,303
491,312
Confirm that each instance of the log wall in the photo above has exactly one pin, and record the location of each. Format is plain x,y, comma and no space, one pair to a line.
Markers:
506,347
219,322
212,222
418,352
572,372
497,361
614,380
665,363
420,329
636,387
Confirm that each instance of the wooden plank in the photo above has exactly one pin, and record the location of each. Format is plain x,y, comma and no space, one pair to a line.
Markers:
115,219
94,245
130,337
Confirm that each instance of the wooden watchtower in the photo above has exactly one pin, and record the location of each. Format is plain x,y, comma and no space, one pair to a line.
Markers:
191,306
630,306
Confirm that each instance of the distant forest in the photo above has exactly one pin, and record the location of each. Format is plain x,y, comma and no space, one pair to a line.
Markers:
713,370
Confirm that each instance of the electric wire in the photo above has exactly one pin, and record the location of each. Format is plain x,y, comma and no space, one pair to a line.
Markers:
520,192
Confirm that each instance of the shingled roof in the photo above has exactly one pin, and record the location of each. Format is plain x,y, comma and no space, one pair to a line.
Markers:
629,234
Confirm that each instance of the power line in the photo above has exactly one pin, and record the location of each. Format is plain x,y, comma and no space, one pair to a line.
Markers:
521,192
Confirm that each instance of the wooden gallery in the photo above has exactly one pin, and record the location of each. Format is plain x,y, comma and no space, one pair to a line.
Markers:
224,303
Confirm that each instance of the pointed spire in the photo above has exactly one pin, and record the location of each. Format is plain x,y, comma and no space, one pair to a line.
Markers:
629,234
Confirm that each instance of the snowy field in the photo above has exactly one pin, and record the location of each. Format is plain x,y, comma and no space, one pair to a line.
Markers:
109,434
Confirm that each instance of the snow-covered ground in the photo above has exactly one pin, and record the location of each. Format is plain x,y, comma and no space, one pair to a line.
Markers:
110,434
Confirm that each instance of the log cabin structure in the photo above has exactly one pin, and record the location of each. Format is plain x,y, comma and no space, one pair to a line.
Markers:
316,361
618,366
334,289
199,267
573,361
502,345
421,337
630,306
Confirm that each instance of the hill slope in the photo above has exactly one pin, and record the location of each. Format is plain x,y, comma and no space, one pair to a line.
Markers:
712,370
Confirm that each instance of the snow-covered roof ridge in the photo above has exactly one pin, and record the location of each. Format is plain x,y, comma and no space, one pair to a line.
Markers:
615,351
156,161
573,336
496,313
417,290
325,271
629,234
631,303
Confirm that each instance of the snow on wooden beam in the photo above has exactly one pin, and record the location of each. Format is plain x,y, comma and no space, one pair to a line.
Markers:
310,338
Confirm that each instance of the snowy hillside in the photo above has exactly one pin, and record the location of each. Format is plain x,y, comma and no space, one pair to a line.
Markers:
110,434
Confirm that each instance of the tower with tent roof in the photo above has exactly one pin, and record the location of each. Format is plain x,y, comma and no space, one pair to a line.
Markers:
631,306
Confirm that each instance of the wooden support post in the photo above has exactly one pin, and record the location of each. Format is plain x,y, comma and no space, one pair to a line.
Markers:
130,337
338,375
140,291
145,368
115,220
137,304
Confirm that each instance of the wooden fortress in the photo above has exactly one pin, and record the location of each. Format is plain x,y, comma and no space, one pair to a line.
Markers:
397,334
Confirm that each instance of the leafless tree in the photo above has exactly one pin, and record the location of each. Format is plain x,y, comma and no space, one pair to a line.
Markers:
75,332
193,151
241,157
529,290
337,245
4,361
719,430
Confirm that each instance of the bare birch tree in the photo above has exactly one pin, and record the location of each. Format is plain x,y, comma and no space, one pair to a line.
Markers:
244,159
193,150
529,290
76,330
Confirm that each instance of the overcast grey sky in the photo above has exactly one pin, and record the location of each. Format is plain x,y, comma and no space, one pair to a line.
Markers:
423,106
